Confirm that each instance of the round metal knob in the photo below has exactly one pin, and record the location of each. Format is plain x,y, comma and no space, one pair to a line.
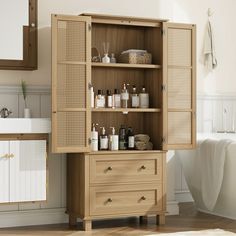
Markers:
143,167
109,168
109,200
143,198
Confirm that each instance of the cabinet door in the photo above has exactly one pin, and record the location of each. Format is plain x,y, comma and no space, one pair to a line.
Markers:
71,76
28,171
179,85
4,171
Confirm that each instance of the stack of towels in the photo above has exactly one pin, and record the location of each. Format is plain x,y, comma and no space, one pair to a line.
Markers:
142,142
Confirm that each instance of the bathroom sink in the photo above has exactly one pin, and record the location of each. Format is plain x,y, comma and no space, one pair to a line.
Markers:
25,125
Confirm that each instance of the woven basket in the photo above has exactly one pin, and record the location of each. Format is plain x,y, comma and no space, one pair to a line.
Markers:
136,58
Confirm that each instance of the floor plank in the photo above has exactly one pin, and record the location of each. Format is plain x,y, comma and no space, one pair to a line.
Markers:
189,219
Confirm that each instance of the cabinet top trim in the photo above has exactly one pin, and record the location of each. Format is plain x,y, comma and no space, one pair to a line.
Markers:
125,18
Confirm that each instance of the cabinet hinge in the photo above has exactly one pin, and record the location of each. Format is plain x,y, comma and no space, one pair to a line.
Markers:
163,140
163,87
89,141
163,32
89,27
89,86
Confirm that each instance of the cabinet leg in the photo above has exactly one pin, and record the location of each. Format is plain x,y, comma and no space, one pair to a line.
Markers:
143,219
87,225
160,219
72,220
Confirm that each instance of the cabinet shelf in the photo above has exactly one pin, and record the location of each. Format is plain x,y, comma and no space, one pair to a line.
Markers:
126,110
125,152
125,65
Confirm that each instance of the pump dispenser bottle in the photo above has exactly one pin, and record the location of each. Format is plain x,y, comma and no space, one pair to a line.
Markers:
94,138
124,96
113,140
103,140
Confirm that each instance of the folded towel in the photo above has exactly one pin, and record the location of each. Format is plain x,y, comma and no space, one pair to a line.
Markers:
211,155
209,49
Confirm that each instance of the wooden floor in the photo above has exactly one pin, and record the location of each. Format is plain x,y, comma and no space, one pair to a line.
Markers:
189,219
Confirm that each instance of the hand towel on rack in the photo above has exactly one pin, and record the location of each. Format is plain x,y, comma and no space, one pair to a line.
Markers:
210,60
212,154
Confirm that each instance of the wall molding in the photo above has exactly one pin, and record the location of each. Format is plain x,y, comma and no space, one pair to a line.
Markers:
35,89
183,196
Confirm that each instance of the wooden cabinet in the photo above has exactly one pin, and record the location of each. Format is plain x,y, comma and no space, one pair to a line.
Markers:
109,184
23,171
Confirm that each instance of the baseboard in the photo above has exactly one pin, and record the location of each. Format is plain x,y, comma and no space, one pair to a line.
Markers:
172,208
183,196
33,217
51,216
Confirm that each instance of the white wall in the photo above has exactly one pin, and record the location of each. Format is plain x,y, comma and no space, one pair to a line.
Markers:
222,80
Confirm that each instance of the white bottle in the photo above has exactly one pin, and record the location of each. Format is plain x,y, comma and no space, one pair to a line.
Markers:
94,139
106,58
109,99
103,140
144,99
124,96
134,98
92,97
113,140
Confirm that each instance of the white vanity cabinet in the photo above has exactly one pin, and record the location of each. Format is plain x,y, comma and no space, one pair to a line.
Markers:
23,170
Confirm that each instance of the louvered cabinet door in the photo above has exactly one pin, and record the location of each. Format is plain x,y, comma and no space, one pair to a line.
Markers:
179,80
71,75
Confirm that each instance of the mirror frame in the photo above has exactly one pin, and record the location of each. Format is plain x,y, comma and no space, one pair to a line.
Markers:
30,44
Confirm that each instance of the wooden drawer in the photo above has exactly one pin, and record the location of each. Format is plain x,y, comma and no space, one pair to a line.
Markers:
123,168
121,199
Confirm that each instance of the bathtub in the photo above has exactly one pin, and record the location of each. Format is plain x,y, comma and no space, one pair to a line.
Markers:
226,202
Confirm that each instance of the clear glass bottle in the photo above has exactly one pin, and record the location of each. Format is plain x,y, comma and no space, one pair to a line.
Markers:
144,98
124,96
134,98
116,98
100,101
103,140
113,59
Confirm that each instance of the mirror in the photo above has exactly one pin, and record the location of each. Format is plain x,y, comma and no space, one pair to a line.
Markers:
18,41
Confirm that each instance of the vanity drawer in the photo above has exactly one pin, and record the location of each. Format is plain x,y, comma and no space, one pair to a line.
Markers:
121,199
123,168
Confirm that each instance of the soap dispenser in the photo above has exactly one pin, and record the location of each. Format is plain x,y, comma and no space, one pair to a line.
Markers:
124,96
94,138
103,140
144,98
113,140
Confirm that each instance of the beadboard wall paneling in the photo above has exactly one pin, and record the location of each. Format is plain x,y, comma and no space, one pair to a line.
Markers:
214,113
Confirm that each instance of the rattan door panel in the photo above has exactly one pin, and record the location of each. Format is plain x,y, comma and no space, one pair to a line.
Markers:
179,79
71,91
71,75
71,40
179,88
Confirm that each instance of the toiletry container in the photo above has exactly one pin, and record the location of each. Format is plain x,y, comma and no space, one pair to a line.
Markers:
106,58
109,99
130,137
116,98
144,98
113,59
124,96
113,140
94,139
122,138
92,98
134,98
100,101
103,140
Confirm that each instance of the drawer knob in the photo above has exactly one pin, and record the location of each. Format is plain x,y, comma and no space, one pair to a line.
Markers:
109,200
143,198
109,168
143,167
